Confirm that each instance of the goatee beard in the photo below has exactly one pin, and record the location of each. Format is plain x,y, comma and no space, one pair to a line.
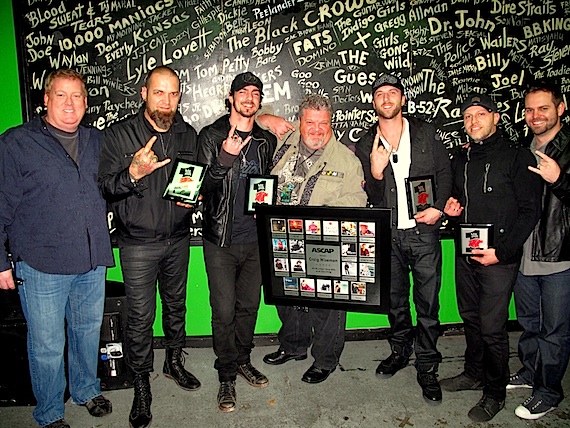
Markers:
162,120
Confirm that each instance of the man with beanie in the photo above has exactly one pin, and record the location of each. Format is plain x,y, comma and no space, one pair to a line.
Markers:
492,186
395,150
233,147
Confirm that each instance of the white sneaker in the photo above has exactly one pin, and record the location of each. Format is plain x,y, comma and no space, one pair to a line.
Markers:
533,408
516,381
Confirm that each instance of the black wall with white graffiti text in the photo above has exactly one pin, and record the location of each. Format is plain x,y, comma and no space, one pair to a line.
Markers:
441,49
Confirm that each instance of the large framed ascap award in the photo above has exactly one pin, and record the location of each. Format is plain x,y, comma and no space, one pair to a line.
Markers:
336,258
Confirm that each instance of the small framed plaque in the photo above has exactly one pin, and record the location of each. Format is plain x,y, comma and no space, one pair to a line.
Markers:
185,181
474,237
421,193
260,190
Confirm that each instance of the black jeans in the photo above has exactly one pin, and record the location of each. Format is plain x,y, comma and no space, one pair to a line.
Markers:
483,297
142,266
234,278
323,327
419,253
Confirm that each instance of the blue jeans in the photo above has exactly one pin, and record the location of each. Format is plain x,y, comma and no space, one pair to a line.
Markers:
542,303
47,301
420,253
234,279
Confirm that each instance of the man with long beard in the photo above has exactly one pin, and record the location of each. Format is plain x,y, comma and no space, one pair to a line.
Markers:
152,233
394,150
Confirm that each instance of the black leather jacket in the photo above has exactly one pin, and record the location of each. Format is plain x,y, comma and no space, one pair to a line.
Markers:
551,237
220,182
140,212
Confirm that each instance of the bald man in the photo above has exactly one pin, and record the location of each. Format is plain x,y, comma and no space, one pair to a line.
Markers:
152,232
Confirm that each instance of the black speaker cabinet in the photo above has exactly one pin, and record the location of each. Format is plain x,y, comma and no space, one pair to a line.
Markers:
15,383
112,368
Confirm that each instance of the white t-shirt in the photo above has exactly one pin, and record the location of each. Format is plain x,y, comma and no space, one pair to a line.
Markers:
401,170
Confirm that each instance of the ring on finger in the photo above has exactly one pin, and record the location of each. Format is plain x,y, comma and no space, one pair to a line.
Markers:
155,158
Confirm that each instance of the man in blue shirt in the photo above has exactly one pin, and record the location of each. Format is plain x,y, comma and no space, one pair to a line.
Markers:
54,217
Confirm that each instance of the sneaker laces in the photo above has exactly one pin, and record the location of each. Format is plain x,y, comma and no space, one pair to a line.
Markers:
99,401
530,400
250,371
486,402
227,391
98,406
428,378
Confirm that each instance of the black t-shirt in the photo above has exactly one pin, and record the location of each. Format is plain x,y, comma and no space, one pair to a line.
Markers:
69,140
244,230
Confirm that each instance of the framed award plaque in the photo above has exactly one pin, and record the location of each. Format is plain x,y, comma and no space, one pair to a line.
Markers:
325,257
185,181
420,192
260,190
474,237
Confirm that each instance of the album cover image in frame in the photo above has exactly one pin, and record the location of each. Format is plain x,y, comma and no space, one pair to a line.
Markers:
420,192
350,272
185,181
260,190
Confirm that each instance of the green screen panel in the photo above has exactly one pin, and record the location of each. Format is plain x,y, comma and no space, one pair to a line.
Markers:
198,317
11,106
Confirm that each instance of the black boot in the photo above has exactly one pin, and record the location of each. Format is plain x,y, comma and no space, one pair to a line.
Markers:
140,416
427,378
174,369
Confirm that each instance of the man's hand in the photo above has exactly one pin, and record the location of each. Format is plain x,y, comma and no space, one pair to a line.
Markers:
7,280
277,125
547,168
453,208
379,158
188,206
233,144
485,257
145,161
428,216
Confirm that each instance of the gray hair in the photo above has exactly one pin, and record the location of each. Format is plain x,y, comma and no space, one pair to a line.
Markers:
315,102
